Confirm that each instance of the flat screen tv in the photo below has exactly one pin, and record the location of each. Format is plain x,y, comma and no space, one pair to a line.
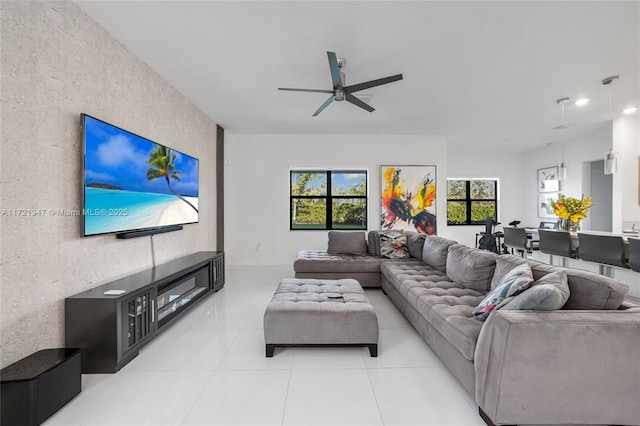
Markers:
134,184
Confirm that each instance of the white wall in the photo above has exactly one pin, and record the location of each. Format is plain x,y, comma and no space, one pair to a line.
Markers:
577,152
57,63
257,185
507,167
626,201
580,153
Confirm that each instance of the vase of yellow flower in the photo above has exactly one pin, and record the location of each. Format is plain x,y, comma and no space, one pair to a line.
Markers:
571,211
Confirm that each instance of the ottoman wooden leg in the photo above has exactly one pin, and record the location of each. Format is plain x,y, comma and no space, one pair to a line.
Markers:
373,350
270,350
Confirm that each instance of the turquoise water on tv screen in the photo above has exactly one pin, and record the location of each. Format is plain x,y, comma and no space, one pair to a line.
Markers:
108,210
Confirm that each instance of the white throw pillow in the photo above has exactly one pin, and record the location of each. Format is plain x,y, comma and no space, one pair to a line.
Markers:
549,293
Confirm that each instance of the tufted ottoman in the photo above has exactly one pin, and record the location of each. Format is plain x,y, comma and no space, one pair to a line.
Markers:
312,312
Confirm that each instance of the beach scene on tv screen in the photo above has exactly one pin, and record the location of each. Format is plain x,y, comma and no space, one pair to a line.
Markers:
134,183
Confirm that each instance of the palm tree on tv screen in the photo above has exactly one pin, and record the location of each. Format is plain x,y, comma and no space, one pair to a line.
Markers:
161,160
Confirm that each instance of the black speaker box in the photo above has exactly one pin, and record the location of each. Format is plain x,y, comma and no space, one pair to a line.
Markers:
35,387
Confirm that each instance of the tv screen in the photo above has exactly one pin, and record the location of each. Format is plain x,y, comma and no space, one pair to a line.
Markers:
132,183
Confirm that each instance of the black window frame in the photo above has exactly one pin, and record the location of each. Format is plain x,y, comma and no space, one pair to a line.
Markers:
468,200
329,199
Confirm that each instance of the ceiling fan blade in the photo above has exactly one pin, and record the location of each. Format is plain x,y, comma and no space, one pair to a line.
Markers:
358,102
373,83
305,90
335,70
323,106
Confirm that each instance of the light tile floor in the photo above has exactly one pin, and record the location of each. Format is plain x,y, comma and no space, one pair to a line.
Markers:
209,368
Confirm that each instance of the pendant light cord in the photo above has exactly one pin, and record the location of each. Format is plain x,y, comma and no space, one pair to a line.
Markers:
610,117
610,164
563,125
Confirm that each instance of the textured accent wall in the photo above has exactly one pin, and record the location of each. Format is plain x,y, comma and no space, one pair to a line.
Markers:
57,63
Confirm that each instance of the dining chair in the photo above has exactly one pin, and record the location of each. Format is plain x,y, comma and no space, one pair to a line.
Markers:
516,239
556,243
606,250
634,253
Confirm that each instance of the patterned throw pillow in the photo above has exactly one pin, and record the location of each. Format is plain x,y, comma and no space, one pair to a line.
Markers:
513,283
393,245
549,293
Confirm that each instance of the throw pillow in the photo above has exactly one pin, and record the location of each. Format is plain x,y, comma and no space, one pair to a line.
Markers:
393,245
471,268
513,283
504,264
345,242
549,293
435,250
373,243
415,241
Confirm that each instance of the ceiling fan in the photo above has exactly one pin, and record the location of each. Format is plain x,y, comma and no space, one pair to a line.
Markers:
340,90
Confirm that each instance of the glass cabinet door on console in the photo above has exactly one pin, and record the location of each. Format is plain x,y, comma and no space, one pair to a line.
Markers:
174,297
139,320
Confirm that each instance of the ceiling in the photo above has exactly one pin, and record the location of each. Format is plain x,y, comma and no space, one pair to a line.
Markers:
484,74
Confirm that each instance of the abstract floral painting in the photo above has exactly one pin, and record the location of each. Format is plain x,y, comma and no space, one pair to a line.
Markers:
409,198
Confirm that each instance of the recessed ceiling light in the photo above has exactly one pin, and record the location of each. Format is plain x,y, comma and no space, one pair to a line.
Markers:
629,110
582,101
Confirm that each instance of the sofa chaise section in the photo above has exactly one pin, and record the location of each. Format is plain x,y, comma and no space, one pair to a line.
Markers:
322,265
350,255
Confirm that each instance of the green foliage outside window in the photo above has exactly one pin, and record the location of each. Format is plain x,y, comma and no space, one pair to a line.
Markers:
470,201
349,213
456,212
329,200
456,189
480,210
483,189
309,213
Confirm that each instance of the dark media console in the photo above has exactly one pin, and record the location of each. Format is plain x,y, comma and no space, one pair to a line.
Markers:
112,322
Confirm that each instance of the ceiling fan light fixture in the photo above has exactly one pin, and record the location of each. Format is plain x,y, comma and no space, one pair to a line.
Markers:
582,101
629,111
342,92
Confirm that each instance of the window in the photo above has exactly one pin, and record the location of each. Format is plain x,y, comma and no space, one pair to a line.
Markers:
470,201
328,199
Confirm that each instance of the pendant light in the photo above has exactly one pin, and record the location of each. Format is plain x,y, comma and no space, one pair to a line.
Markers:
564,165
610,162
610,158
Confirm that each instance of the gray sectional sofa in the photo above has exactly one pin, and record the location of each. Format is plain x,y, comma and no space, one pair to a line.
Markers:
576,365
